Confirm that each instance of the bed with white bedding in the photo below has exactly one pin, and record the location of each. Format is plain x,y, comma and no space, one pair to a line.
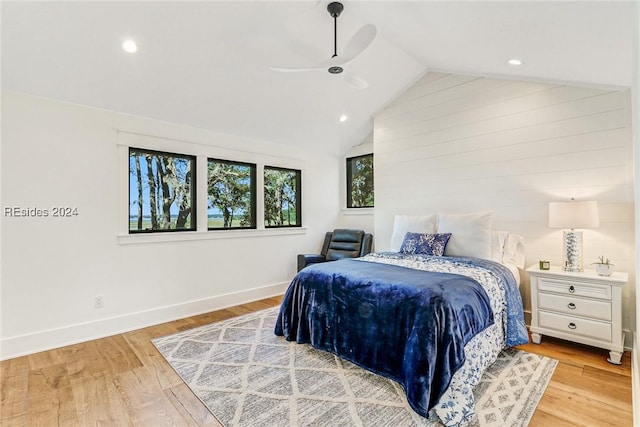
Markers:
456,406
433,323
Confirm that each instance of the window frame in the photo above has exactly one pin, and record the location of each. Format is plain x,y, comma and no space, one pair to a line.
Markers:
253,188
192,187
349,179
298,204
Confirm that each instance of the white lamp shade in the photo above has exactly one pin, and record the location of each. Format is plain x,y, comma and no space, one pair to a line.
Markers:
574,214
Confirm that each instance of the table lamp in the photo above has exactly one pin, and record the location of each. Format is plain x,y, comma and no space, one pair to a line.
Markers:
573,215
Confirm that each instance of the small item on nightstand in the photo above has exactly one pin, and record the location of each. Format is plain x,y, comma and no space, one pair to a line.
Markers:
604,267
545,265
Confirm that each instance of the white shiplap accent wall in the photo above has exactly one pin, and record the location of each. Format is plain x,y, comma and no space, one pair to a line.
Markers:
455,143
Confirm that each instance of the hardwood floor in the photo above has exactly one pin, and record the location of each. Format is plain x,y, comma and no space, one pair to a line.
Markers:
123,381
585,389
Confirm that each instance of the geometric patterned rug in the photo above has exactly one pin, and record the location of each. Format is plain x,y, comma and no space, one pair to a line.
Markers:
247,376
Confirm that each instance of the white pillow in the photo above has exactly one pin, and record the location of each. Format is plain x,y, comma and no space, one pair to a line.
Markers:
410,223
470,234
514,250
498,239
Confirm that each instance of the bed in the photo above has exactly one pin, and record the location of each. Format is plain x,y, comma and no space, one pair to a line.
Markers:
431,323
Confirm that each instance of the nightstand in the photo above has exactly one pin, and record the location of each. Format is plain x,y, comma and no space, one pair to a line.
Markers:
578,306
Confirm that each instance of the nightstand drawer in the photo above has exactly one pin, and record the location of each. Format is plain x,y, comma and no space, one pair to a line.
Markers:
575,306
573,288
574,325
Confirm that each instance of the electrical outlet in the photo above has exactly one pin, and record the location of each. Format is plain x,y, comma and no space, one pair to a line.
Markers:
98,301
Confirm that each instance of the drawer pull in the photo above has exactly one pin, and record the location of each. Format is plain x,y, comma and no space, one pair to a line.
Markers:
572,325
571,306
572,289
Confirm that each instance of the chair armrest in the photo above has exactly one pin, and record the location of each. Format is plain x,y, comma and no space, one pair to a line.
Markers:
367,244
306,259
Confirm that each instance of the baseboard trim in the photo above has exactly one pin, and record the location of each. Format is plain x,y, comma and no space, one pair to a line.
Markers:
635,378
22,345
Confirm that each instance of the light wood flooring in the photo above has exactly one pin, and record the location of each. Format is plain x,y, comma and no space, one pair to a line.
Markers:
123,381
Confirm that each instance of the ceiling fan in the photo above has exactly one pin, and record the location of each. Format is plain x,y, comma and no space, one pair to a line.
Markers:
354,47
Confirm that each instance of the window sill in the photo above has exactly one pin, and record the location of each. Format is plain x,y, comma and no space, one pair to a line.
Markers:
358,211
183,236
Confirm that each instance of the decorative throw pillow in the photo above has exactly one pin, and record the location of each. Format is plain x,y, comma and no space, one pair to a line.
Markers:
427,244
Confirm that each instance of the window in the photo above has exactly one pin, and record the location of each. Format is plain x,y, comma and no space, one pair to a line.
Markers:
360,181
161,191
282,197
231,194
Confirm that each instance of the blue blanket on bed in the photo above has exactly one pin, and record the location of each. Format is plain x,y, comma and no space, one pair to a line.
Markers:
405,324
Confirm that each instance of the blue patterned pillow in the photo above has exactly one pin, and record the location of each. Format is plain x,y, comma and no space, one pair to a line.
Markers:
427,244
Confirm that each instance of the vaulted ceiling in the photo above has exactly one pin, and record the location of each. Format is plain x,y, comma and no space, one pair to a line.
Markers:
206,64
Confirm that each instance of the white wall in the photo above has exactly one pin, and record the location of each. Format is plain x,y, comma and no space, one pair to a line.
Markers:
52,268
456,143
635,97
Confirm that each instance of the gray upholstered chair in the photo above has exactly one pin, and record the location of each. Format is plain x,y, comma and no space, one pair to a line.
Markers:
338,244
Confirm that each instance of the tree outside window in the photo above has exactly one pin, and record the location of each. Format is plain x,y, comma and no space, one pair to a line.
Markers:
161,191
360,181
282,197
231,194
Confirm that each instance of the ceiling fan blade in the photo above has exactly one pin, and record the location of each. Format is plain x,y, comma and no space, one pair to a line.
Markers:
359,42
331,62
355,81
295,69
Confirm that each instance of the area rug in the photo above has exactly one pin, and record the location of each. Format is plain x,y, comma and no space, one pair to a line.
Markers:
247,376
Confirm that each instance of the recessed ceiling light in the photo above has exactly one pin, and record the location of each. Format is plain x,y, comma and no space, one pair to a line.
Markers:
515,61
343,118
130,46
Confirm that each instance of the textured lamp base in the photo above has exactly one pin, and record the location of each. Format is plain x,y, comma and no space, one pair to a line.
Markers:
572,251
